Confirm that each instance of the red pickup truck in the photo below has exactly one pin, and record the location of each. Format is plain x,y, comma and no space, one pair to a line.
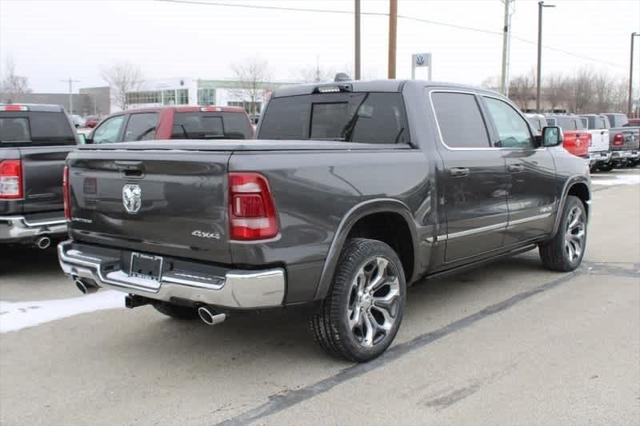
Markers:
173,122
577,138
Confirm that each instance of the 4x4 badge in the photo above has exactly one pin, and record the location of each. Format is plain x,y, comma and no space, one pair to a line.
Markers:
132,198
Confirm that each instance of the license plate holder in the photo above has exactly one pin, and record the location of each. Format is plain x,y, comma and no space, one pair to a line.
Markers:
146,266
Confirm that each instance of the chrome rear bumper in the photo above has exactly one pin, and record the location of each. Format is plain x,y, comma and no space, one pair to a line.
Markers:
234,289
20,229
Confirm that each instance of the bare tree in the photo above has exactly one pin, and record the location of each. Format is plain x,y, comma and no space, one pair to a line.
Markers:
252,78
581,90
555,90
317,73
491,83
521,90
12,85
122,78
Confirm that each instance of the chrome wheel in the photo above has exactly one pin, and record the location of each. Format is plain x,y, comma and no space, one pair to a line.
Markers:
575,234
373,301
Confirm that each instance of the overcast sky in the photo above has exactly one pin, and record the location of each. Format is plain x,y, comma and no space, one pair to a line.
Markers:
53,40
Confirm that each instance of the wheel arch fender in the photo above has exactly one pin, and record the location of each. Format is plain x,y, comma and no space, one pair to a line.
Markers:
578,186
350,219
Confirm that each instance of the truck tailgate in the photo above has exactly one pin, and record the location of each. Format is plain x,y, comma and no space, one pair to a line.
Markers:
149,201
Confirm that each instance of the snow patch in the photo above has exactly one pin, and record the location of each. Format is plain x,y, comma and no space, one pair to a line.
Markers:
18,315
616,180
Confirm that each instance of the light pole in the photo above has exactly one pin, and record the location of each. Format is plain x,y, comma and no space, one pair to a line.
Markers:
393,28
70,81
630,105
538,77
506,46
357,49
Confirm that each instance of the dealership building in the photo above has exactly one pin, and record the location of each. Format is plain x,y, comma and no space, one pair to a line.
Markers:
194,91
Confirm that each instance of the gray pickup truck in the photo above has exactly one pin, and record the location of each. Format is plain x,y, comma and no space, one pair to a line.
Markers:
355,190
624,141
34,143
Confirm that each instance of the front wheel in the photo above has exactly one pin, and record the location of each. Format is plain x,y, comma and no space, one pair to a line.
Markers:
607,167
360,317
565,250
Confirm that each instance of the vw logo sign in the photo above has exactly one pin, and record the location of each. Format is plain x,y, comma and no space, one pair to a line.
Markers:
132,198
419,60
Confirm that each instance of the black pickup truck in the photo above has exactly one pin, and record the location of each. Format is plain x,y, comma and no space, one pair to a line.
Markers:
34,143
355,190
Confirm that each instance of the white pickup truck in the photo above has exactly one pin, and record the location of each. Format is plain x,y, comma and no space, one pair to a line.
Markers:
599,150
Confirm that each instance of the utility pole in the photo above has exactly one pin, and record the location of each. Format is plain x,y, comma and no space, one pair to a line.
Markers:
357,28
393,29
630,105
538,77
506,48
70,81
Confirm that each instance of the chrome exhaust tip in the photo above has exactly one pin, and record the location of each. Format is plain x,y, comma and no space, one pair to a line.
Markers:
209,316
85,287
43,243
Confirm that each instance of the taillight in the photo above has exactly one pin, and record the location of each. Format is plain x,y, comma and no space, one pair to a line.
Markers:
252,212
618,139
66,193
13,107
11,184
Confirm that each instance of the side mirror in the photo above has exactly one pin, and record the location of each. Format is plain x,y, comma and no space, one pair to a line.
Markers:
552,136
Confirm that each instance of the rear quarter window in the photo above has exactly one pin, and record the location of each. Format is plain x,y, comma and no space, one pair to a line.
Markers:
205,125
365,117
36,128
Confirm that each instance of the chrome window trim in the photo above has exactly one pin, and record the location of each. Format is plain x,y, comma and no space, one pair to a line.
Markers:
488,148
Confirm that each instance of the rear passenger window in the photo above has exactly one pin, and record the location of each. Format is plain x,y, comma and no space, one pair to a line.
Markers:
460,120
36,128
141,127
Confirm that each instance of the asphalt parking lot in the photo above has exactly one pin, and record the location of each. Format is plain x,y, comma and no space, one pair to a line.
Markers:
510,343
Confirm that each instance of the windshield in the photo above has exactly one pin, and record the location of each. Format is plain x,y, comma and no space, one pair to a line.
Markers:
355,117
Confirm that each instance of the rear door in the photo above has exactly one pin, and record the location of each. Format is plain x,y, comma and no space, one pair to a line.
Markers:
44,142
474,181
149,201
531,171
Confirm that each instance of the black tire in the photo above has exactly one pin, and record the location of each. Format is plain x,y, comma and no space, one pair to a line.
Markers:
559,253
593,169
330,323
605,167
176,311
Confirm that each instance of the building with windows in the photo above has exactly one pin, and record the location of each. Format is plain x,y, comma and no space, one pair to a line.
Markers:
192,91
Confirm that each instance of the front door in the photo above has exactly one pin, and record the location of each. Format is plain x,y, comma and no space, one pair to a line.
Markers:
531,174
474,179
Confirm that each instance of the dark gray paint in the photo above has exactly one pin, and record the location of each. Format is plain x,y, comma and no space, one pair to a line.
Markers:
321,190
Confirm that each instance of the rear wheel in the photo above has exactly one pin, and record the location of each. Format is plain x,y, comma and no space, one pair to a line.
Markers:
565,250
176,311
360,317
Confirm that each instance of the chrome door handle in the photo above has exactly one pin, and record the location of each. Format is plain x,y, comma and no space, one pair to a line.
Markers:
458,171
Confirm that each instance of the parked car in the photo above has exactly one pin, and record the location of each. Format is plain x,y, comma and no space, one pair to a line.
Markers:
624,141
78,121
92,121
633,122
576,137
174,122
358,189
599,150
34,142
537,121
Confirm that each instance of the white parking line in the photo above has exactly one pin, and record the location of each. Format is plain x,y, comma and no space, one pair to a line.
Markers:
18,315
